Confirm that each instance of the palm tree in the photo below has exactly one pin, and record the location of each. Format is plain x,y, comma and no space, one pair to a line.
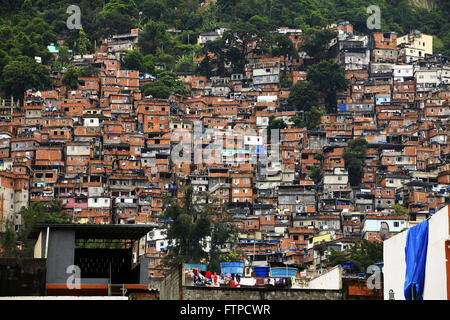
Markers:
56,213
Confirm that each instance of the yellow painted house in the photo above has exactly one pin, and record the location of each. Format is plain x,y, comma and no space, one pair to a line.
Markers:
325,237
417,40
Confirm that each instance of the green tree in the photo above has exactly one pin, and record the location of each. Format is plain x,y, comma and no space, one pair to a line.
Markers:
70,77
284,48
72,73
205,68
24,73
354,156
316,43
149,64
154,37
337,257
365,254
317,171
56,213
275,124
329,77
168,60
319,157
310,120
313,118
285,82
261,24
188,227
231,256
64,55
362,254
316,174
133,60
221,234
263,32
303,95
185,64
156,10
89,71
218,48
27,10
245,32
171,80
234,57
127,7
4,60
83,43
400,210
118,16
35,213
8,241
156,90
166,83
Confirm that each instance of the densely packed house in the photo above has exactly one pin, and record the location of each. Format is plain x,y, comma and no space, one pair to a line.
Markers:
111,154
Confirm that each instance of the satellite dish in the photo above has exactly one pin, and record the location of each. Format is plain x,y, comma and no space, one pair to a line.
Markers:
384,231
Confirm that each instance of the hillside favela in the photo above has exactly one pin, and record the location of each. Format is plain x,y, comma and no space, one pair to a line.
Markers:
224,150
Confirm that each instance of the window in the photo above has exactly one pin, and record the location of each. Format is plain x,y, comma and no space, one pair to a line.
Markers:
396,224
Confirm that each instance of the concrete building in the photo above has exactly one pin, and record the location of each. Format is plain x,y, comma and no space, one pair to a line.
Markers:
373,223
75,268
417,40
437,270
400,72
268,75
14,194
124,41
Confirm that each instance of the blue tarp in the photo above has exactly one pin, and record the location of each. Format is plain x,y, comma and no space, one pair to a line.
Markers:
416,256
347,265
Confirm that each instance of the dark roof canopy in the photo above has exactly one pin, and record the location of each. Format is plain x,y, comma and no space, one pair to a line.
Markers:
98,231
